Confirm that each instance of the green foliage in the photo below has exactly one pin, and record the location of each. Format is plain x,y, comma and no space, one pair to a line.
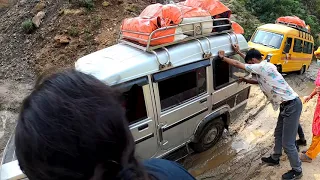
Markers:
269,11
89,4
96,21
246,19
73,31
28,26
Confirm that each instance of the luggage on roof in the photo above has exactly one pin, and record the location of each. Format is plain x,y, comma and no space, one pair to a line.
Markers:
162,25
237,28
215,7
293,21
169,13
145,26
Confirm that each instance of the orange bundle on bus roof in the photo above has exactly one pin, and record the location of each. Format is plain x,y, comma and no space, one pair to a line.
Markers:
292,20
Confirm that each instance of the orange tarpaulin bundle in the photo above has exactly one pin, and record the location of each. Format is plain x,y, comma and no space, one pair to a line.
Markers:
188,13
214,7
169,13
173,13
143,27
237,28
292,20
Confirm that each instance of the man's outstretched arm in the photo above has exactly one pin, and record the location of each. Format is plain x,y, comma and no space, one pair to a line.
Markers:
236,48
249,81
230,61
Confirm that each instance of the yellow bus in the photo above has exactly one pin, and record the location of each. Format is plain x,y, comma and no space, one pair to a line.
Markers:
286,46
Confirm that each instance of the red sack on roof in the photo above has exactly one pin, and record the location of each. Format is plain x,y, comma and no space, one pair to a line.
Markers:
293,20
215,7
170,13
237,28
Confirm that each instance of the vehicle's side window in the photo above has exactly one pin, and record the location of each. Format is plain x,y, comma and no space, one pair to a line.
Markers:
305,47
297,45
288,45
310,48
224,74
133,101
178,89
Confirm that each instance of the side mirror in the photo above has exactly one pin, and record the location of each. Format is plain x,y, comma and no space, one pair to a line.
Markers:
268,58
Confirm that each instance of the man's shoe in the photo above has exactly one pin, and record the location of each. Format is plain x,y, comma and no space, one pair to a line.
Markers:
305,158
270,161
292,175
301,142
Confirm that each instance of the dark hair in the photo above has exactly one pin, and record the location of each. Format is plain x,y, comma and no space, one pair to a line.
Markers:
72,127
253,53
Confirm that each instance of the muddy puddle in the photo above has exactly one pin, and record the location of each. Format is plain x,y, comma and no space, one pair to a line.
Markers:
237,155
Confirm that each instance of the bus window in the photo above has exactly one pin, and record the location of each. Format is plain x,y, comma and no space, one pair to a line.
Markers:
268,39
310,46
305,47
288,45
297,47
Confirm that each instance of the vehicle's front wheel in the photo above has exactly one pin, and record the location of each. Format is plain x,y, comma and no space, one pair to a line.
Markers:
209,136
302,70
279,68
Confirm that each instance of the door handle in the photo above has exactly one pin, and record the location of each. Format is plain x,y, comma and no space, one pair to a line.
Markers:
203,100
162,142
143,127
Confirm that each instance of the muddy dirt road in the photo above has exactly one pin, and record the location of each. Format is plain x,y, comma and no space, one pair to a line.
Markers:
11,96
237,156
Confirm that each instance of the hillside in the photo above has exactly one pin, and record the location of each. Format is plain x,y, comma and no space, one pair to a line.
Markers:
68,31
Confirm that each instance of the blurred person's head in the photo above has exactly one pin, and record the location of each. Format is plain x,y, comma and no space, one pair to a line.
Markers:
72,127
253,56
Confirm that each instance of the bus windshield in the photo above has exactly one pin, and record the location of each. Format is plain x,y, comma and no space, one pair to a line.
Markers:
268,39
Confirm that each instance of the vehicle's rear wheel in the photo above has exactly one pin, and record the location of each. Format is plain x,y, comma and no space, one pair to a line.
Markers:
210,135
302,70
279,68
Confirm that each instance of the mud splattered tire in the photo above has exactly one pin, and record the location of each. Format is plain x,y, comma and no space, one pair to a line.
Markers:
302,70
209,136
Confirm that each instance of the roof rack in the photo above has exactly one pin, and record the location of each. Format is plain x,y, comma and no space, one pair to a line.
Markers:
294,26
197,31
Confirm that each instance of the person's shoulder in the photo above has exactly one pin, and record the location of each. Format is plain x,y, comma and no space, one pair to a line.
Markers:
156,160
161,162
164,169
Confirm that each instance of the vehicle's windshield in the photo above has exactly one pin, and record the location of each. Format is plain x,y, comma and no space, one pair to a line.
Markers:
268,39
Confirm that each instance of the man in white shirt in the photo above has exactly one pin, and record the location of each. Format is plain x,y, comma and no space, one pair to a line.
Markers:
280,94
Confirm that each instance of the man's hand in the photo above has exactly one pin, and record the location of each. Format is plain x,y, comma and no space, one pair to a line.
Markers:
221,54
236,48
318,89
307,99
241,80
